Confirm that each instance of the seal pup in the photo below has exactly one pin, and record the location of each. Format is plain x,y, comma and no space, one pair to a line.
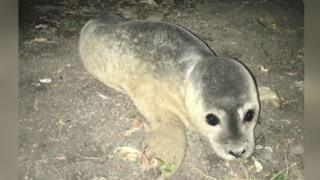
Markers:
177,82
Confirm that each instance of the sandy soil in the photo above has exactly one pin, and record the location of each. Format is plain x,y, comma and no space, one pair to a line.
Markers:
70,127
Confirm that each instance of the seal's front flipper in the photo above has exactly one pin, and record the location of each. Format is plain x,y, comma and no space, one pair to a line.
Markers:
167,143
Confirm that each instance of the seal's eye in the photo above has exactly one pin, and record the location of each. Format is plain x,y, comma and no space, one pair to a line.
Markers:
212,119
249,115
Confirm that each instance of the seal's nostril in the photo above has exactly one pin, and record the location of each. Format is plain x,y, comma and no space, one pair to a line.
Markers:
232,153
243,151
237,154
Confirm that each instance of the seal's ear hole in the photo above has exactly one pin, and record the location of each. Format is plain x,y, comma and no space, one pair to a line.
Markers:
249,115
212,120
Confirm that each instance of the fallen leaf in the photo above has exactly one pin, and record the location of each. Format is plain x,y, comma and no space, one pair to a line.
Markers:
54,85
45,80
268,148
291,73
38,84
166,167
135,126
257,164
300,56
269,96
299,85
263,69
99,178
150,2
61,157
259,147
41,26
227,164
274,26
128,153
147,163
39,40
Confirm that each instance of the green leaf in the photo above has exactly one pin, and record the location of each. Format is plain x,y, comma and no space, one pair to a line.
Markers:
166,167
280,177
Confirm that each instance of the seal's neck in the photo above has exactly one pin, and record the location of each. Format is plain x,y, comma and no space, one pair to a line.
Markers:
193,93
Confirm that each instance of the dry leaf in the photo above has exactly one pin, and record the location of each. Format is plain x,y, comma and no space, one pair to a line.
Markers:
39,40
127,153
131,154
150,2
269,96
144,162
135,126
291,73
54,85
99,178
259,147
147,163
43,26
299,84
45,80
268,148
257,164
61,157
263,69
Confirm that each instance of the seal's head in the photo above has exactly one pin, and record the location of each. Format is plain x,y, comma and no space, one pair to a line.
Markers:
222,99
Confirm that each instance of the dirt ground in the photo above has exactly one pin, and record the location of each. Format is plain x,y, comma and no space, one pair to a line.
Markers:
70,127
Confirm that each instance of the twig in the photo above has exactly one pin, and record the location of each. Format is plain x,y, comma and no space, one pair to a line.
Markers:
90,158
203,174
286,169
261,23
290,101
287,172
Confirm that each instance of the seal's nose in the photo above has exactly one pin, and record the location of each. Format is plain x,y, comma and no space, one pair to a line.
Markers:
237,153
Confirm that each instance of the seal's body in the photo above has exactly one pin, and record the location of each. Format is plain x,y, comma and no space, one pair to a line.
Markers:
176,81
